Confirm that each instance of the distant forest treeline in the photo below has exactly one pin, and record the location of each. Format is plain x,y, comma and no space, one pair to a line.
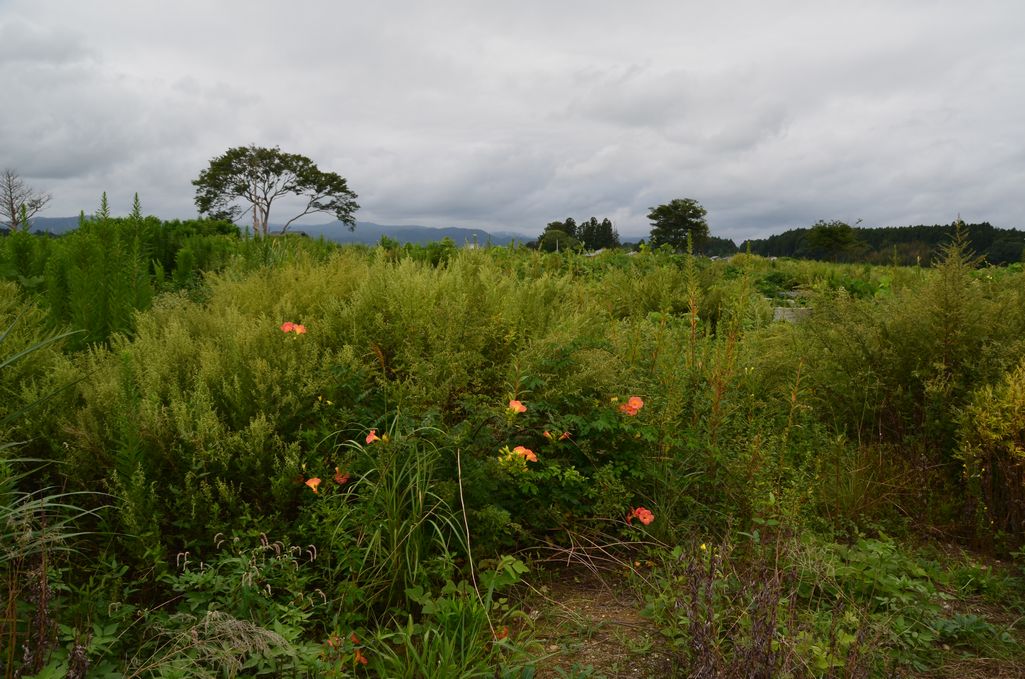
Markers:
827,241
836,241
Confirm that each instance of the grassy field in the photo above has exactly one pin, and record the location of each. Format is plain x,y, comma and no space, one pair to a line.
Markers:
230,457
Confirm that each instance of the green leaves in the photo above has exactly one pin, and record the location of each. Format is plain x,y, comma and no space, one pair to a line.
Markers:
672,223
258,176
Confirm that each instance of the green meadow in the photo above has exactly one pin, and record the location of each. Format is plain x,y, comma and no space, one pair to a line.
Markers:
278,457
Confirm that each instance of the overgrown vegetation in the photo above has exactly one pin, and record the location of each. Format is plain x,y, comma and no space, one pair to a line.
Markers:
292,459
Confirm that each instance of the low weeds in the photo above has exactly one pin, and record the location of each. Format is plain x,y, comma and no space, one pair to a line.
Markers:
738,612
782,608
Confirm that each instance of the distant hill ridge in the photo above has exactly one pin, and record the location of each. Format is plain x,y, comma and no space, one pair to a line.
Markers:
366,232
369,232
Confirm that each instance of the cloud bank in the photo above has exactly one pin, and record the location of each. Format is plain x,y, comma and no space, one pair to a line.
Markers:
507,116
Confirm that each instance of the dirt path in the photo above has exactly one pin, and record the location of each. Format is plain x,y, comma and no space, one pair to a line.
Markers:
591,627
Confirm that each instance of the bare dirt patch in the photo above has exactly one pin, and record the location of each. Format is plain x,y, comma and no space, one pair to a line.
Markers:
589,625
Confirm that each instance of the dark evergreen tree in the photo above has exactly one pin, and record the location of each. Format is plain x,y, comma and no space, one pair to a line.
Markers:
672,222
719,247
595,235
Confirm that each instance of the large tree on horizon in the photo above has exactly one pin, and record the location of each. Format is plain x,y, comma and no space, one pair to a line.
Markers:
835,240
250,178
671,222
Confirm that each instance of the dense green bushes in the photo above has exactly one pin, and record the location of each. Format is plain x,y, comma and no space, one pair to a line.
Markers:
212,420
993,450
890,374
97,276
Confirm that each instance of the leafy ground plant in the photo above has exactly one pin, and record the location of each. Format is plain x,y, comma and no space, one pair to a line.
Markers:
463,632
733,613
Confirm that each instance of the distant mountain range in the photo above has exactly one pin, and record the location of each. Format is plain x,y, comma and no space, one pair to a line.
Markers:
370,233
365,232
54,225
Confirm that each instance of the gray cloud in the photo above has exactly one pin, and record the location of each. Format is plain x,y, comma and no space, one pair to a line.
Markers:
772,115
22,42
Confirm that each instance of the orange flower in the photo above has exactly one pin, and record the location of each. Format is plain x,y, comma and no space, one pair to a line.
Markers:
516,407
372,436
641,514
340,478
359,657
525,453
565,435
299,329
501,633
313,483
632,406
288,326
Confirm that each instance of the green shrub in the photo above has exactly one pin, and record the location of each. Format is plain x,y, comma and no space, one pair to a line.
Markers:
993,451
464,631
889,374
27,357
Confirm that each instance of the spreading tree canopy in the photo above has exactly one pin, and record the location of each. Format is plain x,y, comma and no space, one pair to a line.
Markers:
568,227
557,240
251,178
670,224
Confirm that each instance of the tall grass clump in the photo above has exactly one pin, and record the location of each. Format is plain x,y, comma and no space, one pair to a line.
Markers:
413,538
37,524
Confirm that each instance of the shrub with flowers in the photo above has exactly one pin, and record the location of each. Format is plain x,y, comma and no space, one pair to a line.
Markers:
516,459
632,406
641,514
568,461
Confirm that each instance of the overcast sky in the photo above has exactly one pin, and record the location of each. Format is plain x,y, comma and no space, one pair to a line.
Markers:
508,115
